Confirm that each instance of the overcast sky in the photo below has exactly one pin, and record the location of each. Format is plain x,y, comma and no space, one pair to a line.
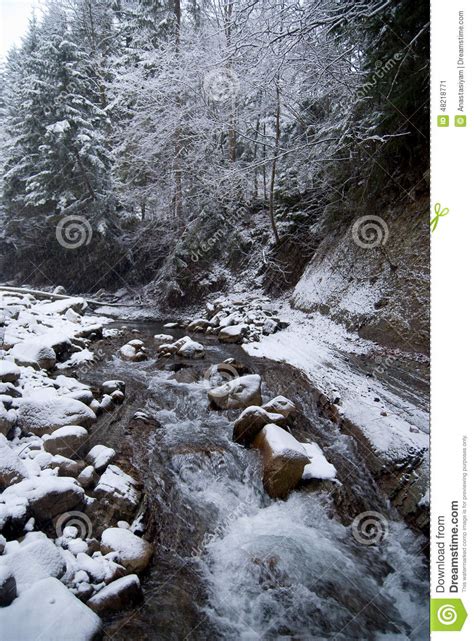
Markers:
14,16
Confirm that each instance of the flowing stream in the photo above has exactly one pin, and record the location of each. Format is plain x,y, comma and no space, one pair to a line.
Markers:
230,563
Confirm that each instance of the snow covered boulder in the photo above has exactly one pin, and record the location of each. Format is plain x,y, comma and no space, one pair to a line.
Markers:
7,587
68,441
133,351
117,596
12,468
61,306
14,513
9,372
251,421
44,415
199,325
50,611
109,387
8,419
233,333
191,349
48,496
238,393
281,405
34,353
163,338
66,466
119,490
100,456
284,460
319,467
130,550
33,561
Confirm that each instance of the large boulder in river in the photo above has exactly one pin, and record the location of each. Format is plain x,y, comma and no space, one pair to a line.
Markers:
251,421
281,405
44,415
284,460
50,611
130,550
238,393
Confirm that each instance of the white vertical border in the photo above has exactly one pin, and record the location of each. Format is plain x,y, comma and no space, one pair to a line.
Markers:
452,304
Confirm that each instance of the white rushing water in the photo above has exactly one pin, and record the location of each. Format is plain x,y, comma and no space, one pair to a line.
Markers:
278,570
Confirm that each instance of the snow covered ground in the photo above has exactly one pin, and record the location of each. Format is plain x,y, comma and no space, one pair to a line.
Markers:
57,571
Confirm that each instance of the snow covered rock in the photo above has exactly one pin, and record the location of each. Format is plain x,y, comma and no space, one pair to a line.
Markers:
44,415
109,387
13,514
9,372
238,393
117,596
284,460
72,316
7,586
119,490
281,405
34,561
83,395
8,419
130,550
233,333
191,349
88,477
48,496
133,351
163,338
8,389
100,456
198,325
66,441
61,306
318,467
34,353
251,421
49,610
66,466
12,468
100,569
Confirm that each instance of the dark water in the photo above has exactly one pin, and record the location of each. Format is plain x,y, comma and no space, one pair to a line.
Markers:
229,562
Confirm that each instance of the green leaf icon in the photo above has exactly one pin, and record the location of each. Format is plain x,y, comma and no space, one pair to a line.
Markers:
447,615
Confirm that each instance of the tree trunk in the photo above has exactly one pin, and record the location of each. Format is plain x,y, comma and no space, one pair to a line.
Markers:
271,203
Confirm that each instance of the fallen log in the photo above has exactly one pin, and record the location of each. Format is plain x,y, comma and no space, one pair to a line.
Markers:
37,293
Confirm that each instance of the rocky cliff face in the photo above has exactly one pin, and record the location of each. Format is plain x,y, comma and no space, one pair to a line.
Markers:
374,278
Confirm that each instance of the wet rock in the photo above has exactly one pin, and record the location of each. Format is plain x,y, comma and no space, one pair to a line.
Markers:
68,441
48,608
43,416
238,393
117,596
284,460
131,551
7,587
281,405
251,421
